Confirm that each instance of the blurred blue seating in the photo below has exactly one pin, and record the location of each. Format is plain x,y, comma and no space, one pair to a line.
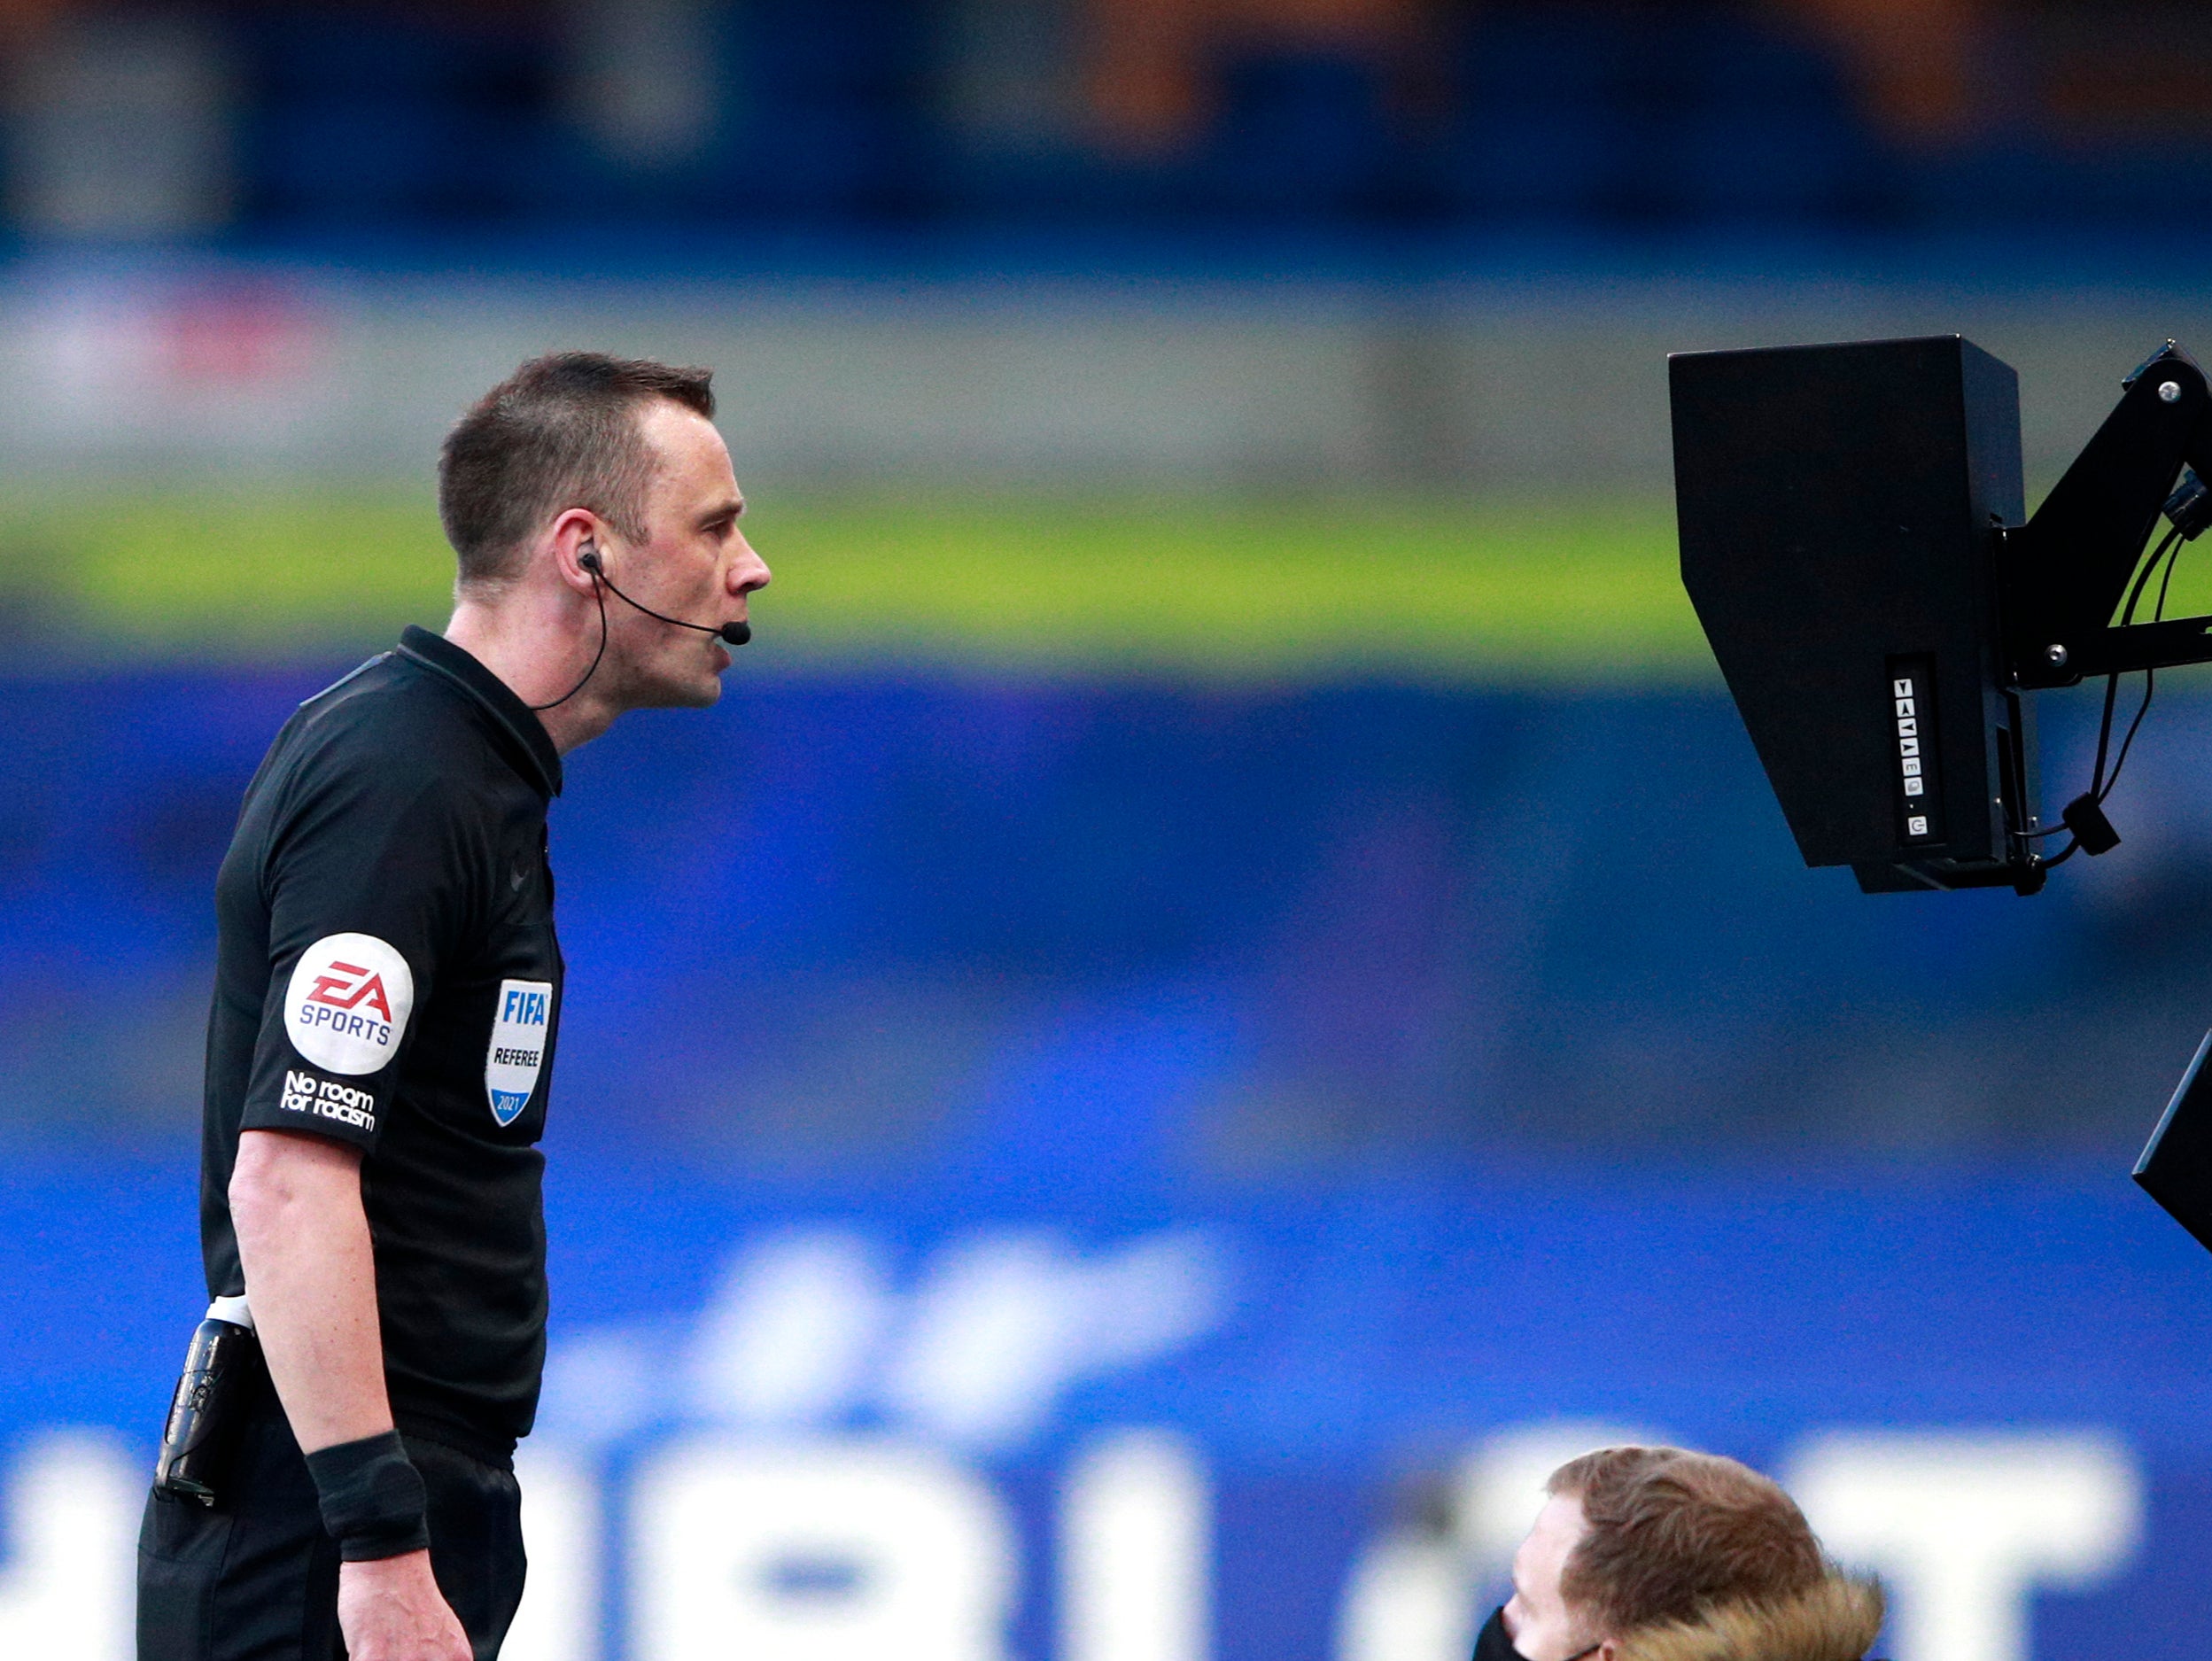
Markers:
1535,134
367,120
1583,114
1300,137
840,116
826,118
1763,130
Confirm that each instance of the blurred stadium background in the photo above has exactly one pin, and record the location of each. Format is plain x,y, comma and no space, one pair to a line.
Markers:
1223,986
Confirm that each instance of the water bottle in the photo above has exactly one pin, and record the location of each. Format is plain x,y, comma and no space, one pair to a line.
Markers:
214,1395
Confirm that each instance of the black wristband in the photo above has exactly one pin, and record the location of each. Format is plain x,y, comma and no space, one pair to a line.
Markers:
372,1497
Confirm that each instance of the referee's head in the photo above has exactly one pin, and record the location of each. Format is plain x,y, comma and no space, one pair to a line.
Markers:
582,474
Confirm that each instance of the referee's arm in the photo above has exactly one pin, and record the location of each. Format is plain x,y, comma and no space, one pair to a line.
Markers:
303,1244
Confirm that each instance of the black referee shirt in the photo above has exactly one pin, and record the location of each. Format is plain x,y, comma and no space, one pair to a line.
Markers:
387,976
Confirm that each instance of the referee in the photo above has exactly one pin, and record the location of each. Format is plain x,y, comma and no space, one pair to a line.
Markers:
387,997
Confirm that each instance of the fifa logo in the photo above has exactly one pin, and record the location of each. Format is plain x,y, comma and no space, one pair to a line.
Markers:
519,1007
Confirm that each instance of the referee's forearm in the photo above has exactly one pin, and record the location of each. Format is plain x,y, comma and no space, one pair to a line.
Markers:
310,1281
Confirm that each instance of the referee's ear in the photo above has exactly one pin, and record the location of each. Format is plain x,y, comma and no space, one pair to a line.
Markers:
575,543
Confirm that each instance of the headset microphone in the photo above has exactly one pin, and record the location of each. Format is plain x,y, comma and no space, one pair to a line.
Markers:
588,556
728,633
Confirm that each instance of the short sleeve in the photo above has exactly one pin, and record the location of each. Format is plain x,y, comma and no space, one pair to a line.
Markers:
368,887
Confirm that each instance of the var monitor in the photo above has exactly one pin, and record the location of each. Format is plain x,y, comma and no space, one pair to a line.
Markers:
1856,544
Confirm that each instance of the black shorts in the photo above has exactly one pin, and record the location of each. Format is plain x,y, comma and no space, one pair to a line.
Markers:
256,1578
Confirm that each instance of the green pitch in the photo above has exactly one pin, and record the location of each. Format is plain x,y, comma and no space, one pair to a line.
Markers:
1266,588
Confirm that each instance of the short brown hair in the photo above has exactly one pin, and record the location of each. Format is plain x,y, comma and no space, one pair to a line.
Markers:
560,432
1671,1534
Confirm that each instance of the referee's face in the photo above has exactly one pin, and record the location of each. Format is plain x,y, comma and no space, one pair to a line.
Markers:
695,563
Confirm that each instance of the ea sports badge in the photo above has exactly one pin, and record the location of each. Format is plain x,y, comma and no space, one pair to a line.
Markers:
519,1029
348,1005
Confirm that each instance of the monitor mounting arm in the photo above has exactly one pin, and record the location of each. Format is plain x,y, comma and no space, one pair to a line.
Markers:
2061,576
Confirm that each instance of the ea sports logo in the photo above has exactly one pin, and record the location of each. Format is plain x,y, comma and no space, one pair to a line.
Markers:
348,1003
348,986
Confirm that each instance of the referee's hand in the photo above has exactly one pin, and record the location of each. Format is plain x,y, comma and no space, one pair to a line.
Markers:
391,1610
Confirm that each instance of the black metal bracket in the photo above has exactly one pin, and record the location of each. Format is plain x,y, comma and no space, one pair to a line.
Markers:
2061,576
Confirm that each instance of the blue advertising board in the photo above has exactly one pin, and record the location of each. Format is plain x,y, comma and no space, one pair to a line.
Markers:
1334,1408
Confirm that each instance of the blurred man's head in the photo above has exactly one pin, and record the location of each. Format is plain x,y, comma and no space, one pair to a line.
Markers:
1643,1551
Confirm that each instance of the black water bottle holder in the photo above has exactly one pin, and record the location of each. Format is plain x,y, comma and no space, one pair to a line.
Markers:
222,1375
